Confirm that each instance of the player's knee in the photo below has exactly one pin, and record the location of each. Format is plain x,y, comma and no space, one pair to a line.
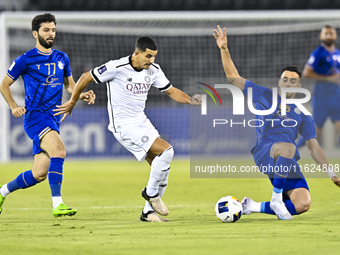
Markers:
40,176
167,154
303,206
60,153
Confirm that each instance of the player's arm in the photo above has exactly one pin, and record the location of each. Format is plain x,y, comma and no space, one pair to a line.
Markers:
180,97
308,72
228,65
88,96
67,107
17,111
320,158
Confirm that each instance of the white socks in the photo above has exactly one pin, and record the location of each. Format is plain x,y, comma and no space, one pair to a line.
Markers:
4,190
276,197
160,167
56,201
163,184
255,207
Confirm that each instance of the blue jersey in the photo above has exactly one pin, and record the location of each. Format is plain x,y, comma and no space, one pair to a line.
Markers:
277,127
43,75
325,63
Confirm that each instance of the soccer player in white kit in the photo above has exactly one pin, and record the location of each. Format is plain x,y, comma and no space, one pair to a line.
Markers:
128,81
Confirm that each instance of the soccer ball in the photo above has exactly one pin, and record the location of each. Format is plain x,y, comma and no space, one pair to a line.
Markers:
228,209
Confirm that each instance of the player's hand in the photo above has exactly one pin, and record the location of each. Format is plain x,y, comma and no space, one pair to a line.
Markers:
336,181
18,111
196,99
88,96
221,37
65,109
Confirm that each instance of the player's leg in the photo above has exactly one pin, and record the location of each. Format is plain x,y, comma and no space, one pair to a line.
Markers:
335,113
155,155
148,213
143,142
53,145
162,154
283,154
27,179
296,197
299,198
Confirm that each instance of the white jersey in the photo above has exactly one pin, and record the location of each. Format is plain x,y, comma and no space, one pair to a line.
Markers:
127,89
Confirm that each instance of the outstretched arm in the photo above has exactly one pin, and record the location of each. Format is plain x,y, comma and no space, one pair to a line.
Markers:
17,111
88,96
228,65
320,158
67,107
180,97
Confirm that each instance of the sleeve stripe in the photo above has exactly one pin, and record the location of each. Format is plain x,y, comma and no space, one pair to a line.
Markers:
95,77
10,76
166,87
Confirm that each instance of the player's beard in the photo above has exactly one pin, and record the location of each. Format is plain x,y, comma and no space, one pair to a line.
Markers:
328,42
44,43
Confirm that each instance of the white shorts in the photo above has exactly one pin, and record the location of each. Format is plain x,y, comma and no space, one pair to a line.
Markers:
137,138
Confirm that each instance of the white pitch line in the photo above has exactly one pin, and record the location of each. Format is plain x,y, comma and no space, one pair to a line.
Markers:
124,207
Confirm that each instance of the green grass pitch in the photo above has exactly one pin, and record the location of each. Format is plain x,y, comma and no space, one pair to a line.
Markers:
107,196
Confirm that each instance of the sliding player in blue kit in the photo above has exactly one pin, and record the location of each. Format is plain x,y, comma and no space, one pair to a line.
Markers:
44,72
275,144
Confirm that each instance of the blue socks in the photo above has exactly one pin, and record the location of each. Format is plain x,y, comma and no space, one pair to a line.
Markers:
281,170
26,179
265,208
23,181
55,176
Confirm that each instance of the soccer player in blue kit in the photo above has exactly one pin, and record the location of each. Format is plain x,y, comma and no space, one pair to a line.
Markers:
275,144
44,71
324,65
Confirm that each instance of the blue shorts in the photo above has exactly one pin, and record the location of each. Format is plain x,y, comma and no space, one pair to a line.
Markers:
325,106
38,124
264,160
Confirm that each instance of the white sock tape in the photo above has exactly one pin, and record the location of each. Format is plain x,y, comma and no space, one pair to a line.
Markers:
330,172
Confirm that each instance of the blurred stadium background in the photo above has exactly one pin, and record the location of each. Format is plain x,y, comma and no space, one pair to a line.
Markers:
263,36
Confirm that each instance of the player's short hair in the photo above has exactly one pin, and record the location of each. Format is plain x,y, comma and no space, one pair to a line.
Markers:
292,69
43,18
328,26
144,43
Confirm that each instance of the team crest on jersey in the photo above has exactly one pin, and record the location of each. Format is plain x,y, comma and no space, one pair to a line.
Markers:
297,110
145,139
60,65
147,79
